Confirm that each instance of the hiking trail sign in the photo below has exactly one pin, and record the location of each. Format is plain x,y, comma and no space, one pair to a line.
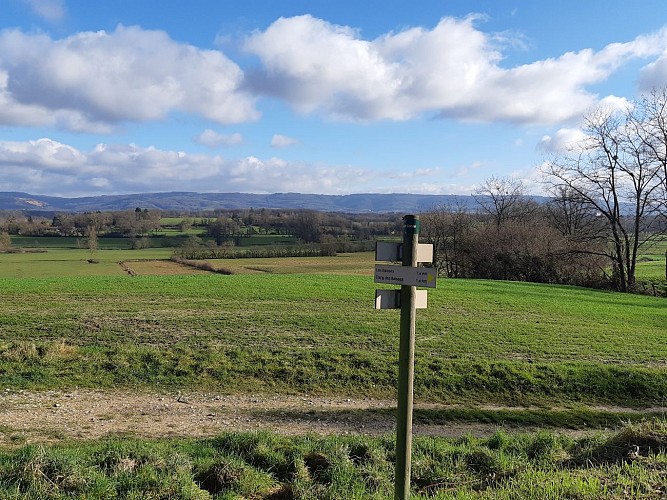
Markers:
408,299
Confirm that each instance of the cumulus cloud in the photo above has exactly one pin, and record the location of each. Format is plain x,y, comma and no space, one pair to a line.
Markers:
48,166
94,80
213,139
654,75
565,139
453,70
282,141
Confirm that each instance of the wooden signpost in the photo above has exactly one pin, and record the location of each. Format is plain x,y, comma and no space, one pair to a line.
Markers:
409,276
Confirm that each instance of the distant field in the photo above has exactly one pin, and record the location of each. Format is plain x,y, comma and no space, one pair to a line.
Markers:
478,341
69,242
174,221
343,264
58,262
653,269
62,263
103,243
167,231
651,265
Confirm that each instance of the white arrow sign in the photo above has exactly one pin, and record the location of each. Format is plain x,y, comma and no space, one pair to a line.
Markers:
405,275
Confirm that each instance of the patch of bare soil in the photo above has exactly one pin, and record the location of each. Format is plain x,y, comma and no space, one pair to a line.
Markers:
84,414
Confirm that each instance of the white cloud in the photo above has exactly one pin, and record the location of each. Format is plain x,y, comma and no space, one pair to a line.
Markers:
565,139
282,141
612,102
654,75
47,166
465,170
50,155
92,80
417,173
51,10
213,139
453,70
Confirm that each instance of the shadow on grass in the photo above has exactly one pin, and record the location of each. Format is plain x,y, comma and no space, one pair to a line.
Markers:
571,419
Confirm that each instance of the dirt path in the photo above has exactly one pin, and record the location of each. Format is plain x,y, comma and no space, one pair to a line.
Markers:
47,416
84,414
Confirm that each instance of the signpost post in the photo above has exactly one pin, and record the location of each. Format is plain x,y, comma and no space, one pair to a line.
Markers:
409,276
406,364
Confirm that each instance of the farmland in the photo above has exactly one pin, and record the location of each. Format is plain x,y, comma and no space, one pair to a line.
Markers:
519,343
506,353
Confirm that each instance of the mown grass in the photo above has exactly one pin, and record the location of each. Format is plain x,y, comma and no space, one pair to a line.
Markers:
482,341
630,463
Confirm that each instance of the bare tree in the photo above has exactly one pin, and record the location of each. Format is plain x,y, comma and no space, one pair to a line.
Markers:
570,214
649,123
91,233
613,173
446,228
526,247
223,229
305,225
504,198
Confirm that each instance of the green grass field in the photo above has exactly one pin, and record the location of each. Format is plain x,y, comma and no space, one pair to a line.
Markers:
307,326
651,267
652,263
168,231
482,341
66,263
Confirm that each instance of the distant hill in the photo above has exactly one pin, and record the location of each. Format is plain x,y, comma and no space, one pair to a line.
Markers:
185,201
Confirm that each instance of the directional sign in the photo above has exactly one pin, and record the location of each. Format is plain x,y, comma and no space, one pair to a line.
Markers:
405,275
390,251
391,299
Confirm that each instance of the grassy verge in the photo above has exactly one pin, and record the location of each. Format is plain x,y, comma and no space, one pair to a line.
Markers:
629,463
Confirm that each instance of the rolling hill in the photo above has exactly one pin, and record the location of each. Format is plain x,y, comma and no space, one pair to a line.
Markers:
189,201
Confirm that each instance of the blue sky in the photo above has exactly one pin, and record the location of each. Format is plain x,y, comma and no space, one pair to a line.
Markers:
331,97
